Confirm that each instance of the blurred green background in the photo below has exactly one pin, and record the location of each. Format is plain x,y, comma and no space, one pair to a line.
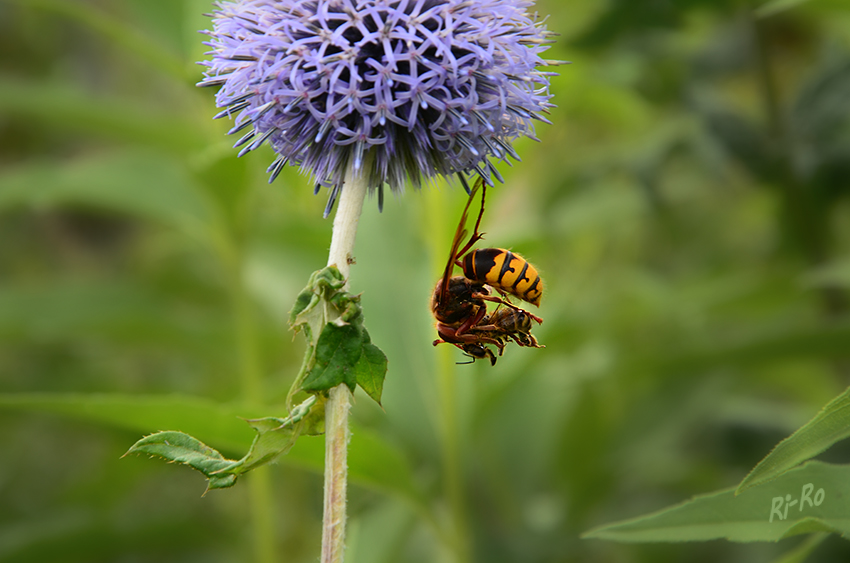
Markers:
688,210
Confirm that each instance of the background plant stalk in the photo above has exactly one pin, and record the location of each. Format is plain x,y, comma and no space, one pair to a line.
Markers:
350,206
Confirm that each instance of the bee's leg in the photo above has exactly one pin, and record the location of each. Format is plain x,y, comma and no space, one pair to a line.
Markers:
501,292
506,303
481,330
484,329
500,343
453,336
521,340
477,339
504,300
445,333
527,340
494,299
533,342
471,321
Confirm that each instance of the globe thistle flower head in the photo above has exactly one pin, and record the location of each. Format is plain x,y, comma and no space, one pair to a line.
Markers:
397,89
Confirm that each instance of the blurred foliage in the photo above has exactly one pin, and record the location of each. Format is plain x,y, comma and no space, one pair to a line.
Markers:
688,211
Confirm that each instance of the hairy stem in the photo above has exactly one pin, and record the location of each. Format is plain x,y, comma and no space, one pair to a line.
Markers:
336,474
339,402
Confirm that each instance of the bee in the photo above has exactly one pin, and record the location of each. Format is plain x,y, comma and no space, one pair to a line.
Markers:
459,302
478,352
504,325
508,324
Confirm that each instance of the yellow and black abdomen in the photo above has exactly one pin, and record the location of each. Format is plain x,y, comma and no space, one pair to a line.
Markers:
504,270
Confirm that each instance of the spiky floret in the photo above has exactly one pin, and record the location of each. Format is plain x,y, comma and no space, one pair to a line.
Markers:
396,88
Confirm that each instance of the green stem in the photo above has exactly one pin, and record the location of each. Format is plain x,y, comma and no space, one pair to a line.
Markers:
339,401
336,474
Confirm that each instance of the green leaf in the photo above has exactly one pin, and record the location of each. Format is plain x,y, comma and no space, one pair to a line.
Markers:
276,436
805,500
829,426
802,551
337,352
178,447
343,352
372,461
371,370
306,299
348,306
194,416
311,418
322,283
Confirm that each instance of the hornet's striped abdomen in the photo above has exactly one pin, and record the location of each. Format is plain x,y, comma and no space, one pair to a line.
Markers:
504,270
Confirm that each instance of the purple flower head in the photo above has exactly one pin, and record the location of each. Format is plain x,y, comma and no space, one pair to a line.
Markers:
395,88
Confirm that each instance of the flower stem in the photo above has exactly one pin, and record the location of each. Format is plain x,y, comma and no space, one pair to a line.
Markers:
339,402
